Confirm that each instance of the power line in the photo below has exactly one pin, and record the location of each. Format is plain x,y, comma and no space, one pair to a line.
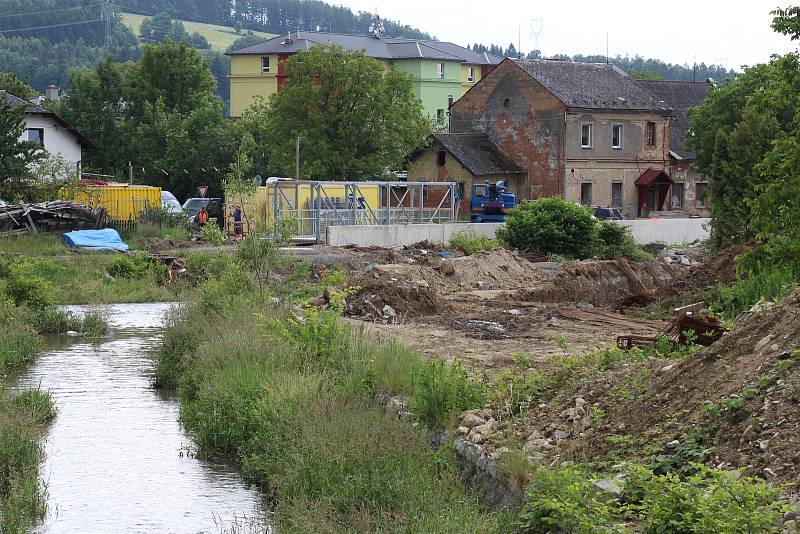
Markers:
51,26
49,11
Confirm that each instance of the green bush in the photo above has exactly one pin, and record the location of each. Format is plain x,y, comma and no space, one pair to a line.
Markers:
711,501
769,284
564,499
24,286
551,226
135,265
443,391
212,234
616,241
469,242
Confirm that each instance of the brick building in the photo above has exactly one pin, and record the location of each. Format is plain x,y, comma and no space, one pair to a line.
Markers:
586,131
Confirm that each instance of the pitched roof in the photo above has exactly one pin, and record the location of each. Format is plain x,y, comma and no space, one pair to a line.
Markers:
380,48
34,109
679,95
479,154
592,85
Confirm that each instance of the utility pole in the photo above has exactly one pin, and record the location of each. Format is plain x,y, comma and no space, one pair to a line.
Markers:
130,173
297,158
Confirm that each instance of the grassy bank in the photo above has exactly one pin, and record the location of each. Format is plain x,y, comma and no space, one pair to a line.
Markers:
23,420
290,396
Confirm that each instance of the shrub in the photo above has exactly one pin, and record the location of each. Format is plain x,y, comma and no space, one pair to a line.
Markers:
770,284
708,502
24,286
135,265
616,241
443,391
19,345
551,226
564,499
469,242
197,264
212,234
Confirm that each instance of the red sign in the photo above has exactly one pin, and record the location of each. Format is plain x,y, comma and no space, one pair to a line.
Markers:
202,190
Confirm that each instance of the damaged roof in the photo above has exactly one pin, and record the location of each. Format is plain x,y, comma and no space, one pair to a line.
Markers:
679,95
479,154
377,47
592,85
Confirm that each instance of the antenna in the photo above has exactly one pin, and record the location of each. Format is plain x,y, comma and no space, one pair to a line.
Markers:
694,69
536,31
606,48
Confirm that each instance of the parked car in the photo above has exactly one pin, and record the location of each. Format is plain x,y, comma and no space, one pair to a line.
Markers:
169,203
213,206
608,213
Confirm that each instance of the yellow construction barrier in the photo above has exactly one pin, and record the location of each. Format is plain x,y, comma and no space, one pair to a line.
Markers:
122,202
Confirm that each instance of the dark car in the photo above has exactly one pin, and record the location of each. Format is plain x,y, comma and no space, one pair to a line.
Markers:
213,206
608,213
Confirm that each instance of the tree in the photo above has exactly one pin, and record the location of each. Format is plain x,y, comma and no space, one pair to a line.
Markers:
10,83
511,51
354,120
15,155
162,27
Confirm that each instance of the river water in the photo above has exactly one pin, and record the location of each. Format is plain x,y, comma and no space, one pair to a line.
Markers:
117,457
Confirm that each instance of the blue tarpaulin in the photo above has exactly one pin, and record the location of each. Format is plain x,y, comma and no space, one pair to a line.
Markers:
106,239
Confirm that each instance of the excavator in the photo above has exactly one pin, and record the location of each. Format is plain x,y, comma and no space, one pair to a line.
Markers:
490,202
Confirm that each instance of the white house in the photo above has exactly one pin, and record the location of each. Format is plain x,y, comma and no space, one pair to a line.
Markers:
50,130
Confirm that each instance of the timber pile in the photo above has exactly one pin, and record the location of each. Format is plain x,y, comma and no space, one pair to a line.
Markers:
55,216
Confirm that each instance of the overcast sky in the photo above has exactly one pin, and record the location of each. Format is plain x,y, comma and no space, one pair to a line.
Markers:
730,33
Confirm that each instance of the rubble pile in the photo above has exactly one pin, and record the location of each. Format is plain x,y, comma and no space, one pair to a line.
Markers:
55,216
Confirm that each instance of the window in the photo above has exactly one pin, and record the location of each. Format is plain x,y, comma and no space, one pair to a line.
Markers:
586,135
651,133
440,158
702,191
265,64
676,196
586,194
507,103
440,70
616,195
470,74
440,115
36,135
616,136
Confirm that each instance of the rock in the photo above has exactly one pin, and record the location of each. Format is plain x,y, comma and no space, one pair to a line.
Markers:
462,431
668,368
388,311
447,269
790,527
476,437
536,446
792,515
672,444
610,488
513,311
667,260
763,445
485,285
472,420
485,429
394,406
422,284
579,401
762,343
560,434
535,435
775,347
685,261
749,433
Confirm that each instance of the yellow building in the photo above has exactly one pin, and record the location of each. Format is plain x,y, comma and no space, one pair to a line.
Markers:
440,71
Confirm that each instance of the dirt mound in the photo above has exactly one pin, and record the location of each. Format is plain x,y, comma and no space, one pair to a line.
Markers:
392,296
720,268
602,282
495,269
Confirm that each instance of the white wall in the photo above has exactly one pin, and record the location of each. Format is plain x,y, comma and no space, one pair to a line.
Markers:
397,235
57,139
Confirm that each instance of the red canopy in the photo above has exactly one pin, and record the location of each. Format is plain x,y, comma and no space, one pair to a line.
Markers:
653,178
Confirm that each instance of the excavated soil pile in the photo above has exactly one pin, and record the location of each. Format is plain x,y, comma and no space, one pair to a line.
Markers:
602,283
719,269
391,295
746,386
495,269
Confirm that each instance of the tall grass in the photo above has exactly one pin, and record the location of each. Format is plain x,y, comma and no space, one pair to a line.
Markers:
32,245
22,498
292,400
19,346
768,284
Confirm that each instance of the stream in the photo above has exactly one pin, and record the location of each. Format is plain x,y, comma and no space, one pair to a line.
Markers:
118,460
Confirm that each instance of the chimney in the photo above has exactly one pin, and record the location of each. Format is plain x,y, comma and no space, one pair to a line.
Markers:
51,92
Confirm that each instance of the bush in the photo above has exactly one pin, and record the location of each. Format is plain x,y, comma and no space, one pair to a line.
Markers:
551,226
135,265
212,234
443,391
469,242
24,286
564,500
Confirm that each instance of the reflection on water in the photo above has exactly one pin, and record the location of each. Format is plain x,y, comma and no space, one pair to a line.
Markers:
116,455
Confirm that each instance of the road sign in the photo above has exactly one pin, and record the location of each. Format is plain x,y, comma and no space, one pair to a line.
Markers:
202,190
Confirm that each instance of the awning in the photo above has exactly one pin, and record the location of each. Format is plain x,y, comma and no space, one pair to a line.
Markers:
653,176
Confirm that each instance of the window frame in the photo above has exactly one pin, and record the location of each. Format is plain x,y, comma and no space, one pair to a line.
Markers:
650,134
614,126
620,187
265,70
441,158
587,185
681,198
39,141
470,74
440,115
440,71
590,136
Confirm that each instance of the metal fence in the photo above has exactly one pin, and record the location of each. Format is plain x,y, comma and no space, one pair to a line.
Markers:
309,207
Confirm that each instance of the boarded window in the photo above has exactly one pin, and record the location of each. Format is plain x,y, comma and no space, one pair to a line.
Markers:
440,158
586,135
651,133
616,195
586,194
616,136
265,64
702,192
676,196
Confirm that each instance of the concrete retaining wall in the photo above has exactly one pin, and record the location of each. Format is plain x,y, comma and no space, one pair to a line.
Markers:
397,235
